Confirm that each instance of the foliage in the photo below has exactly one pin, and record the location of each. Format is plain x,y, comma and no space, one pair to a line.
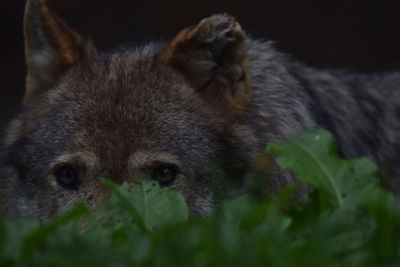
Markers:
347,220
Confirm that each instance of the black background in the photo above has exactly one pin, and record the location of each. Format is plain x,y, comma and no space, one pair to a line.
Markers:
362,35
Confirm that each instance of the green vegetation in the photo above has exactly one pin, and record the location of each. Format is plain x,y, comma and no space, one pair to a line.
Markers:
348,220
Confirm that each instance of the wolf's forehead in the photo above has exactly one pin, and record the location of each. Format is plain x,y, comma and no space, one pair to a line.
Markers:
125,118
112,106
130,90
115,133
131,76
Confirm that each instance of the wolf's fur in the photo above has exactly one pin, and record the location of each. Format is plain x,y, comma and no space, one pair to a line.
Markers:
206,103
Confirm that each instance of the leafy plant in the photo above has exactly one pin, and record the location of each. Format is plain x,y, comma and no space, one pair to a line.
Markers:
346,220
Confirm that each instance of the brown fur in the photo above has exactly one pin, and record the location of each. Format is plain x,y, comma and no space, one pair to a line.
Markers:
212,60
65,45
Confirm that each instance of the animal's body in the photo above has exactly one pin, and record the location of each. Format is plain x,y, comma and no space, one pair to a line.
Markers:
193,114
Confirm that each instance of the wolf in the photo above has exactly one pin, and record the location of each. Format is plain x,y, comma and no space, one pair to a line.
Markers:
194,114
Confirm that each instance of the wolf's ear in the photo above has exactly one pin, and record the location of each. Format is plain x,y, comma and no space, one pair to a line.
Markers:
50,47
212,56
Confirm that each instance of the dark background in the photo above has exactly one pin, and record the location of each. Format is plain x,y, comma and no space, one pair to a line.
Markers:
357,34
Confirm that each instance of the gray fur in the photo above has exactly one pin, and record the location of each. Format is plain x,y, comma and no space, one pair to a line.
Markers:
114,114
359,109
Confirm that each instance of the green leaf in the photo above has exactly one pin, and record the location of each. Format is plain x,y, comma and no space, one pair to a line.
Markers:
150,205
39,236
348,220
312,155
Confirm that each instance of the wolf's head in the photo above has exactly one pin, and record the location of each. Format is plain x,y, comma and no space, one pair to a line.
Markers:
169,112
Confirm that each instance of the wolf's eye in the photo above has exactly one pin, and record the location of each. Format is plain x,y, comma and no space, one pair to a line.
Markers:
67,177
165,175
